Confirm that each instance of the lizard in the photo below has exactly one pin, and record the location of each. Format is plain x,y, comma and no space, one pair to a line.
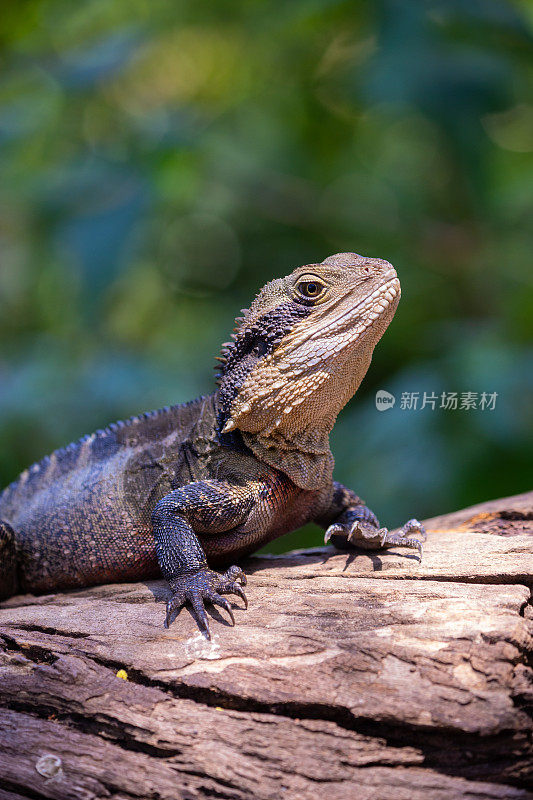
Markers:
191,487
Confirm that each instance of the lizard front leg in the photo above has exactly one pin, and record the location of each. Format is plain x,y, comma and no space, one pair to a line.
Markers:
348,519
203,507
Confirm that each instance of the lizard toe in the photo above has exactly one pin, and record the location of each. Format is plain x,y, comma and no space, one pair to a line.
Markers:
176,602
236,588
400,539
205,585
414,526
233,584
235,574
196,599
217,600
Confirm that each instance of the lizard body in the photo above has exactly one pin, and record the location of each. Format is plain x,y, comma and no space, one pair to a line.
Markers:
209,481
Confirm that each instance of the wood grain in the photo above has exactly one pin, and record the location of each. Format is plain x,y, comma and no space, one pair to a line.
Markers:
363,675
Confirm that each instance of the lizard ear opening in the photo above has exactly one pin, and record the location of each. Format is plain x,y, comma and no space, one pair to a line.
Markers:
250,347
260,348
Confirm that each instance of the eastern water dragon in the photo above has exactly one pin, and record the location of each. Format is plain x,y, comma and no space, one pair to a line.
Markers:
187,488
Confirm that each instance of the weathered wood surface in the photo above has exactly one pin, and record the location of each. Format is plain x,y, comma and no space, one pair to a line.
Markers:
361,675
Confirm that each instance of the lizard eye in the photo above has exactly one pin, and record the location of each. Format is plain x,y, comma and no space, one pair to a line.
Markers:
310,289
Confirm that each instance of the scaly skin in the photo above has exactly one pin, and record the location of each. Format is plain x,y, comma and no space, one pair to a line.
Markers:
183,489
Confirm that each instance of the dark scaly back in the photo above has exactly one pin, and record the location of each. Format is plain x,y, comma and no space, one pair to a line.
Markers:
82,515
133,433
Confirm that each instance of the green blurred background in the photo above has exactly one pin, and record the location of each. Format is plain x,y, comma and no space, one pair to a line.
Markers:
161,160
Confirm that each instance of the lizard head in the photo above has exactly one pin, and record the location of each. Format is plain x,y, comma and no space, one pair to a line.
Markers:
303,347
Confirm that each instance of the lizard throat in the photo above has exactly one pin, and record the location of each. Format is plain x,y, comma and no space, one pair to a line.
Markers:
306,460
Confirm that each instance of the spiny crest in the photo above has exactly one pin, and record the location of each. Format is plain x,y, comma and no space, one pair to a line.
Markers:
227,347
267,300
258,334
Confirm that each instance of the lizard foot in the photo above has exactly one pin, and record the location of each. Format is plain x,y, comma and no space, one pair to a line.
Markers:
205,584
369,537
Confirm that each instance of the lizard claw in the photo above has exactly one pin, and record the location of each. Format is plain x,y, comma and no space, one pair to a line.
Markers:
362,534
236,588
401,538
232,582
414,525
236,573
333,530
360,531
205,585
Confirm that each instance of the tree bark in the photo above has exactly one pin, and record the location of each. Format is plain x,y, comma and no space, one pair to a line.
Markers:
363,675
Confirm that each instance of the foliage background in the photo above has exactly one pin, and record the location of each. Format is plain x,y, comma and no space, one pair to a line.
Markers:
161,160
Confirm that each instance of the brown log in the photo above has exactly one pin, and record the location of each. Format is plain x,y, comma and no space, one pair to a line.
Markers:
360,675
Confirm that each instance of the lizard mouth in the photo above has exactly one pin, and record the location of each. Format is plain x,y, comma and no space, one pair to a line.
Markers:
378,302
